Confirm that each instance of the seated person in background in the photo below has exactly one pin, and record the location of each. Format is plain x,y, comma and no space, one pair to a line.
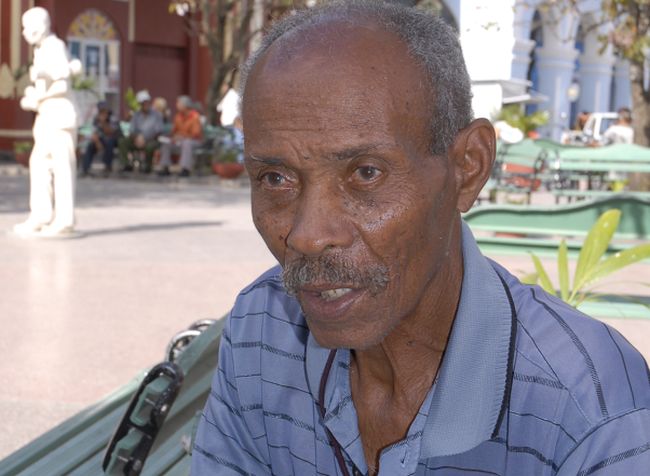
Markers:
105,135
621,131
146,125
160,104
186,134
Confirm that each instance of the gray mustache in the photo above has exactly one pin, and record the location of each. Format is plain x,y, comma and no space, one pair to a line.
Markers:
334,270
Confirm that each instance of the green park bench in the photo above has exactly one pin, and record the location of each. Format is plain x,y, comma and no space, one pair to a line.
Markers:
517,229
591,194
518,168
154,418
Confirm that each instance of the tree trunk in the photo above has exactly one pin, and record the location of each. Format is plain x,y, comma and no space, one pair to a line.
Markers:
212,99
640,106
640,121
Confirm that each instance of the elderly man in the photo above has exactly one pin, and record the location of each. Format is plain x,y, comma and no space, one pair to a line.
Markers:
185,136
387,344
145,127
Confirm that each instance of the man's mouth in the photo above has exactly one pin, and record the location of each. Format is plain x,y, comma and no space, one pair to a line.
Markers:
329,303
333,294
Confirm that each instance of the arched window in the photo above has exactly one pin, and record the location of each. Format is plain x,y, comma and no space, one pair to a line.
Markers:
93,39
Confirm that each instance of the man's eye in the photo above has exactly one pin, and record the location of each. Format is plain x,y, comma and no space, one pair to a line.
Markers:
273,179
367,173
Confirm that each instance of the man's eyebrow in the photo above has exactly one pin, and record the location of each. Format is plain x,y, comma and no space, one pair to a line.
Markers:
351,153
265,160
345,154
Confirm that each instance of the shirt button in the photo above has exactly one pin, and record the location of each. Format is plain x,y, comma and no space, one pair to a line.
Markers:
356,472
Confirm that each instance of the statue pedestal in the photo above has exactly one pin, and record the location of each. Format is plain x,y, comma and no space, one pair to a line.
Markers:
46,235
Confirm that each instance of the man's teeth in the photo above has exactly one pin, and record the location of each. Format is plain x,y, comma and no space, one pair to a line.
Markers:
332,294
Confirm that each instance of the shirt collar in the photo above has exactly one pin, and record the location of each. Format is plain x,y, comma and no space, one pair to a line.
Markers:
471,387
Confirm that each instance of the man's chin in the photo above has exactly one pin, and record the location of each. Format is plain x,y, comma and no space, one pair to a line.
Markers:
354,336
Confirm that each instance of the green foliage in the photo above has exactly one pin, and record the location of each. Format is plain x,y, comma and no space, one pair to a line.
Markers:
20,147
226,156
631,19
21,71
130,100
79,83
434,6
225,147
515,116
592,264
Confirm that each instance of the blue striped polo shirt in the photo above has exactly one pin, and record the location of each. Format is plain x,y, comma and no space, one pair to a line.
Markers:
527,386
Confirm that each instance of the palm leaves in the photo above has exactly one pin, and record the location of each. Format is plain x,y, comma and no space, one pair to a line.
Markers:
592,265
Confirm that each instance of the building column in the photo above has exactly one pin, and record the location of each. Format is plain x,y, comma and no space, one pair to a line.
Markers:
595,83
521,57
622,87
556,66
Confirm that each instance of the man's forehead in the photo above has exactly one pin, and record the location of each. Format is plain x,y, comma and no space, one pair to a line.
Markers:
329,34
330,45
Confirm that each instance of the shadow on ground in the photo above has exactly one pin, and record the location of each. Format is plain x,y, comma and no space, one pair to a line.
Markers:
149,227
115,192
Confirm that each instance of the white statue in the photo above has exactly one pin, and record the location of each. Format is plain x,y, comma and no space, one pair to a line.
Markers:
53,160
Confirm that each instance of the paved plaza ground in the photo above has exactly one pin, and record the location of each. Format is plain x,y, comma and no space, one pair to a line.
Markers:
81,317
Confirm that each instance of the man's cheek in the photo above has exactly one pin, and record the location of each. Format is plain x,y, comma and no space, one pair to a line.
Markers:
273,232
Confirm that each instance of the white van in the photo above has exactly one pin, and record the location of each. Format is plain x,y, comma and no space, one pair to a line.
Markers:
592,132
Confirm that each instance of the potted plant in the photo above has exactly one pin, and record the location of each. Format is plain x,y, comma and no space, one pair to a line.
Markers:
226,164
22,150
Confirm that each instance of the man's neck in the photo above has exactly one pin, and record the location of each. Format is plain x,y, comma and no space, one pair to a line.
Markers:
420,338
391,380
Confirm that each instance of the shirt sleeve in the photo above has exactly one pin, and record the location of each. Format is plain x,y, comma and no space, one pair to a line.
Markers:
224,444
621,445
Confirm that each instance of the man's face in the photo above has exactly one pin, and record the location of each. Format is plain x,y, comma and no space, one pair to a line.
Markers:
344,190
145,106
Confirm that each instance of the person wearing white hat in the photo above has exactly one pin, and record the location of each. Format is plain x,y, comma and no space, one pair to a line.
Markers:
146,125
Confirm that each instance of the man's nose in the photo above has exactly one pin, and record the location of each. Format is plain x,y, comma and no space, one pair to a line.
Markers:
320,222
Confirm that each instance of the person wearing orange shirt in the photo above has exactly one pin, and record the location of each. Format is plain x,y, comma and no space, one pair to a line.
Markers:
186,134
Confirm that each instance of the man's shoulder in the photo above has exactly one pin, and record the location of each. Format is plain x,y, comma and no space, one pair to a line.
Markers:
572,365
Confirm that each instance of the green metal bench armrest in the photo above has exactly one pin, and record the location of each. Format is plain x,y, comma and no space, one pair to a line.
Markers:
77,446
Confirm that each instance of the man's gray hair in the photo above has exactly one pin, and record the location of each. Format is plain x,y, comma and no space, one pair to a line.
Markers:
431,42
185,101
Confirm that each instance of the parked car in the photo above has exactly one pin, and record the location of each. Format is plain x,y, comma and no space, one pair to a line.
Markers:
593,130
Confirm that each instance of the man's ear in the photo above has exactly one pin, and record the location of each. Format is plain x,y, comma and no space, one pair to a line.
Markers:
473,154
